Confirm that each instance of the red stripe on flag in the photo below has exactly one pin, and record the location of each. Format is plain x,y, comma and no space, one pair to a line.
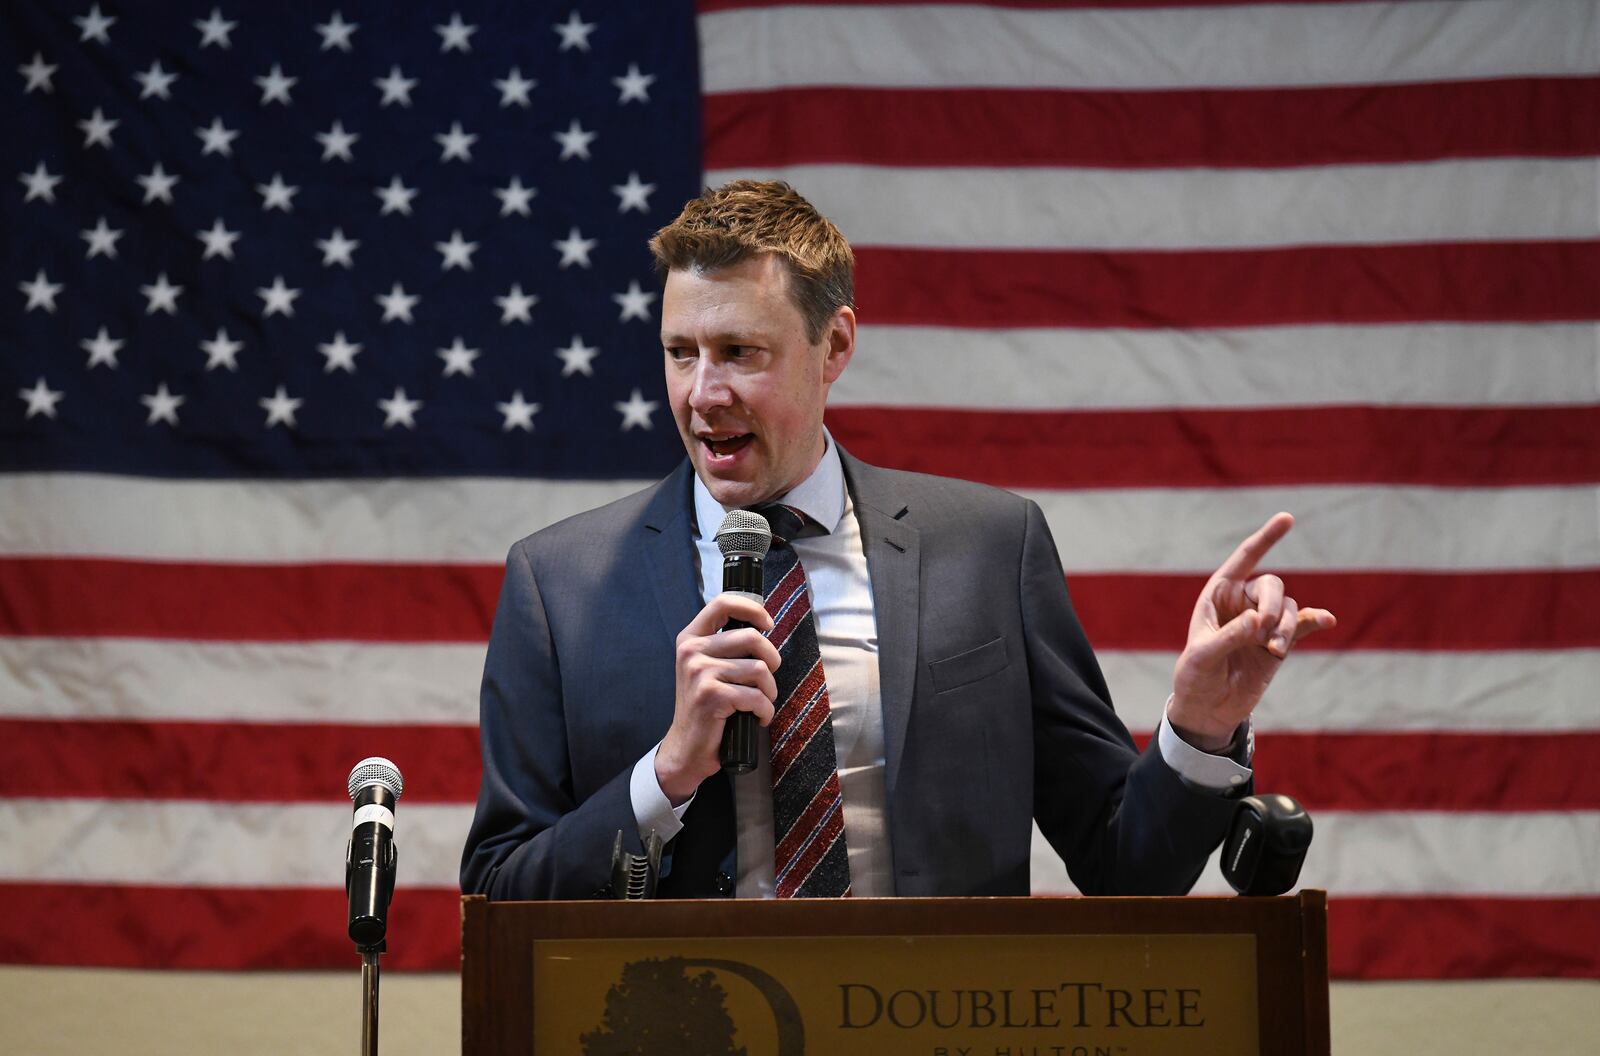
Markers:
1250,127
1202,448
1540,609
236,602
96,759
238,762
1463,938
1406,770
1467,282
218,928
296,928
1376,610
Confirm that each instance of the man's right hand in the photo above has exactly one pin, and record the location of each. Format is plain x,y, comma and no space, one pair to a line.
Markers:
717,675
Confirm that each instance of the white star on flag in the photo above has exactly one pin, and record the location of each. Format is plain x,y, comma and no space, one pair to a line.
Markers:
515,305
155,81
335,33
280,408
277,194
634,194
456,143
575,141
455,35
102,239
337,249
41,292
221,351
219,241
396,87
635,303
41,184
38,73
215,30
457,252
163,405
458,358
157,184
574,32
275,86
397,304
217,139
162,296
97,130
514,197
518,413
636,411
514,88
575,249
398,410
94,26
41,399
102,349
633,85
279,298
396,198
577,358
340,354
336,143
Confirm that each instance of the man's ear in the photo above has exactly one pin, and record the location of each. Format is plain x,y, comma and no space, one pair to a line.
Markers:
840,338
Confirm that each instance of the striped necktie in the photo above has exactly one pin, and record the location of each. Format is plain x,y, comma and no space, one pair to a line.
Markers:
810,858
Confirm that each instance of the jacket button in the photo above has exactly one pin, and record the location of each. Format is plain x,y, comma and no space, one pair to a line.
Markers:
723,884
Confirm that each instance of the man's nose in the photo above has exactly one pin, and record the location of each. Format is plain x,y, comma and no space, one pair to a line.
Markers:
710,386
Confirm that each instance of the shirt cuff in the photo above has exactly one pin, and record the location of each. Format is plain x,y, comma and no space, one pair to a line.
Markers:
652,810
1214,773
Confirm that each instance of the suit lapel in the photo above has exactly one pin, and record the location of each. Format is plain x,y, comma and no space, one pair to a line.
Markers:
669,552
894,562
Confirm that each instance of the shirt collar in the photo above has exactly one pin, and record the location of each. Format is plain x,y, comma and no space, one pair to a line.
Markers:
820,496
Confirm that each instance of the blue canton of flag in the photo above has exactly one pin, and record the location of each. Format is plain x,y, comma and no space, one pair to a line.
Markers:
378,240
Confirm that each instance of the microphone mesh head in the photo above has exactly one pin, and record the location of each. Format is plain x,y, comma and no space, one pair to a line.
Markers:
376,770
743,532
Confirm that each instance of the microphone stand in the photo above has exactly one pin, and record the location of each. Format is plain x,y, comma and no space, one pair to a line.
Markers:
369,998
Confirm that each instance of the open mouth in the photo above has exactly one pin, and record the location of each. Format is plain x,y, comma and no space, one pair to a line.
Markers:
724,447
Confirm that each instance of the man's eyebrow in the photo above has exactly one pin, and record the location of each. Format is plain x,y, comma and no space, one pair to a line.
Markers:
723,337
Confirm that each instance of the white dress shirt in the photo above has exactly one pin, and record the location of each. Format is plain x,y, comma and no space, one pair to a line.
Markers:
847,632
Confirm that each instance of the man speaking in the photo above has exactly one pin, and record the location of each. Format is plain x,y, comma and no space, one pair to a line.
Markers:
923,685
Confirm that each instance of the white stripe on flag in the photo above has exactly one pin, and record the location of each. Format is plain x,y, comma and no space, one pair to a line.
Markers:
1247,45
1046,208
335,682
1344,527
1270,366
210,844
1548,854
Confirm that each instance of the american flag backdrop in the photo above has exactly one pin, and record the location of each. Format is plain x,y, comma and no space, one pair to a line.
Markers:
307,312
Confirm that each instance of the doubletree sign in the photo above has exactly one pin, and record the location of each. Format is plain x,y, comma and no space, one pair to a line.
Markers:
1094,995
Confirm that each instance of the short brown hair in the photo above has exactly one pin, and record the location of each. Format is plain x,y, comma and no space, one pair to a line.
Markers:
745,218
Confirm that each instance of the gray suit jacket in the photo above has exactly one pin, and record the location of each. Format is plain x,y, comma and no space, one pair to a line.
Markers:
995,711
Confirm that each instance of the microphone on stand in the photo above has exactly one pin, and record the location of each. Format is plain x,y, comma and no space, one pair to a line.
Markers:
744,540
375,786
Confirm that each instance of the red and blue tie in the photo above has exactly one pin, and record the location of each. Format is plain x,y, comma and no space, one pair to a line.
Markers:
810,859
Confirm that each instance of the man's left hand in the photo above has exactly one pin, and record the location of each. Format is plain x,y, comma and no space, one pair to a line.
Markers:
1242,628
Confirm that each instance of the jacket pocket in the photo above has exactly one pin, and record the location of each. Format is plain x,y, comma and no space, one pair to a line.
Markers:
968,667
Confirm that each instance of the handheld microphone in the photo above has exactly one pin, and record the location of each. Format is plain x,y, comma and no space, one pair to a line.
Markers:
1266,845
369,865
744,540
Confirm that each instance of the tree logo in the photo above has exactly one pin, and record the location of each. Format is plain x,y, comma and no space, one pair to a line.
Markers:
675,1005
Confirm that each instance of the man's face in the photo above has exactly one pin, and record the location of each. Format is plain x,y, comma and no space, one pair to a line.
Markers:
747,388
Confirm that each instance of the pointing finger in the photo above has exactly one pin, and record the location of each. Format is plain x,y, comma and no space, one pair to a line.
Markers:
1244,560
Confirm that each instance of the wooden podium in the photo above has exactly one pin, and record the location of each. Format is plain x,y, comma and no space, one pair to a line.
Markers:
935,977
